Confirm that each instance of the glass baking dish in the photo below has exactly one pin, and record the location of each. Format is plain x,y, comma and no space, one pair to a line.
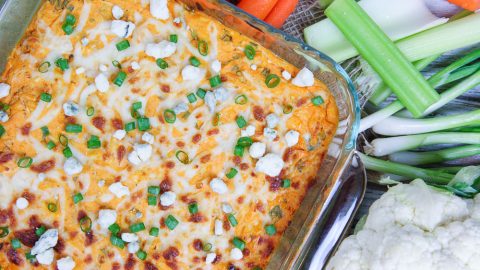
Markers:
320,214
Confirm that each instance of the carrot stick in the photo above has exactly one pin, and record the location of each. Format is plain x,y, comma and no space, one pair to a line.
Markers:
471,5
257,8
280,12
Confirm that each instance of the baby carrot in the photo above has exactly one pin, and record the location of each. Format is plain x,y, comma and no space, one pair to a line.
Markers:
257,8
280,12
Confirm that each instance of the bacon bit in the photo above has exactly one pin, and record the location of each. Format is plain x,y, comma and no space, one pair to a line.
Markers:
5,157
33,222
237,160
130,262
162,223
268,249
134,90
150,266
165,88
243,166
288,153
226,224
13,257
60,247
170,253
130,69
246,252
89,238
26,129
224,78
196,138
27,236
180,144
218,258
156,256
165,185
43,166
121,151
88,259
196,218
296,185
186,199
117,123
275,183
259,207
205,159
302,101
99,122
7,215
70,119
29,196
258,113
172,265
196,259
197,244
170,164
240,199
161,120
115,265
213,131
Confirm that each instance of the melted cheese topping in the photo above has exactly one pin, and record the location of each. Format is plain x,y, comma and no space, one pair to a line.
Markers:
207,136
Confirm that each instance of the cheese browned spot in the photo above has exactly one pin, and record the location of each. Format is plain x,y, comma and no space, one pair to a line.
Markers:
107,140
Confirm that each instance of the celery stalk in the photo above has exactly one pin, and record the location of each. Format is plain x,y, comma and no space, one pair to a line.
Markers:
382,54
430,157
430,176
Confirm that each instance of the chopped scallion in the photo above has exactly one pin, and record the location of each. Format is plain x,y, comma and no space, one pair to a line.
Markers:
249,52
46,97
116,241
272,81
51,145
154,231
152,200
203,47
137,227
241,100
194,61
129,126
62,63
201,93
287,109
169,116
123,45
241,122
77,198
182,156
85,224
16,243
114,228
154,190
270,229
193,208
24,162
215,81
94,142
232,220
44,66
143,123
40,230
63,140
207,247
286,183
67,152
245,141
45,131
121,76
70,19
232,173
142,255
171,222
162,63
4,231
317,101
2,130
90,111
67,28
174,38
239,243
73,128
238,151
191,98
52,207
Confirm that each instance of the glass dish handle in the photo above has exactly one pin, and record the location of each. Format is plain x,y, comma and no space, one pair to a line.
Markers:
341,214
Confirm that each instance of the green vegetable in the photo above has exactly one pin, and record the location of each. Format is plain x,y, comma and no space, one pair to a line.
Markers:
154,231
238,151
137,227
4,231
40,230
52,207
239,243
241,122
201,93
46,97
62,63
174,38
191,98
143,123
94,142
429,157
182,156
241,100
77,198
231,174
154,190
232,220
270,229
2,130
16,243
169,116
73,128
50,145
244,141
121,76
152,200
24,162
129,126
193,208
123,45
116,241
272,80
67,152
86,224
142,255
171,222
194,61
203,47
162,63
286,183
114,228
215,81
394,69
249,52
44,66
317,101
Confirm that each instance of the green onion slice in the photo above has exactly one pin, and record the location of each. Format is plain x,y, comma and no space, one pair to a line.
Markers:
52,207
16,243
169,116
317,101
203,47
63,140
154,190
40,230
77,198
123,45
121,76
245,141
162,63
154,231
137,227
241,99
117,64
193,208
90,111
182,156
194,61
4,231
249,52
114,228
24,162
171,222
239,243
215,81
232,220
232,173
142,255
174,38
207,247
272,81
43,67
287,109
85,224
116,241
270,229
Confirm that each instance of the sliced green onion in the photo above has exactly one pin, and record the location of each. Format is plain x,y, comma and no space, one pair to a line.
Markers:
193,208
67,152
63,140
270,229
77,198
393,67
249,52
272,81
276,212
287,109
216,119
232,220
116,241
45,131
215,81
85,224
67,28
286,183
70,19
169,116
317,101
152,200
123,45
438,156
201,93
116,64
16,243
207,247
173,38
129,126
245,141
143,123
137,105
194,61
46,97
114,228
137,227
238,151
52,207
154,231
40,230
121,76
241,122
24,162
62,63
31,258
2,130
73,128
44,66
90,111
182,156
171,222
51,145
191,98
154,190
239,243
94,142
162,63
4,231
142,255
203,47
232,173
241,100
